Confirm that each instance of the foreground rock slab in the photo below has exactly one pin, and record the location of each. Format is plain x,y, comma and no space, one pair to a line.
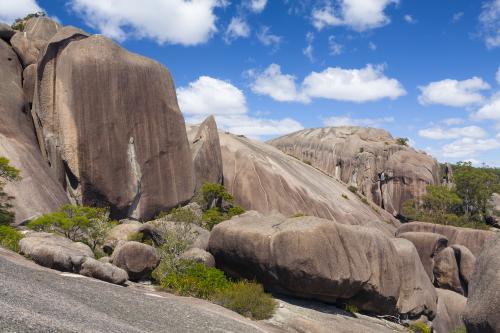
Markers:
35,299
314,258
103,271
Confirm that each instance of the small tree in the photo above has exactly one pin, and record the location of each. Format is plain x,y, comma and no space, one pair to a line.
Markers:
20,23
7,174
402,141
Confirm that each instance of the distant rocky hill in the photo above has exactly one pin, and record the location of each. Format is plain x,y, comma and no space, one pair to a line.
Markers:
386,171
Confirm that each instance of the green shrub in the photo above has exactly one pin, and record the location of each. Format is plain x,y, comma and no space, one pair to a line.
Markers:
10,237
402,141
234,211
352,188
364,200
298,214
212,217
7,174
247,299
345,197
212,194
353,309
181,214
419,328
20,23
460,329
196,280
135,237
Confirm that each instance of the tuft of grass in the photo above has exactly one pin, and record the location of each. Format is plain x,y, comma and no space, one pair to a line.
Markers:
298,214
135,236
345,197
459,329
307,162
352,188
10,237
419,328
353,309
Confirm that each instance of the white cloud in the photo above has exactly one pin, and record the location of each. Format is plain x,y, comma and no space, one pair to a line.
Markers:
409,19
349,121
355,85
457,17
467,147
453,93
210,96
280,87
452,121
359,15
13,9
439,133
173,21
268,39
257,6
237,28
372,46
491,110
489,21
497,75
335,48
309,49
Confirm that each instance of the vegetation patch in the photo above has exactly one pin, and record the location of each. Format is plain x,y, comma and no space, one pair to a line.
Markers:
10,237
419,328
20,23
352,188
402,141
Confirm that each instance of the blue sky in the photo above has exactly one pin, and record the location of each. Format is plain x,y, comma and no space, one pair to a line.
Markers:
426,69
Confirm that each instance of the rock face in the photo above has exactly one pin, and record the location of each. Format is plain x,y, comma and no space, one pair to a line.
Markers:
313,258
262,178
137,259
29,78
472,239
495,214
103,271
154,230
417,295
199,255
6,32
119,233
205,149
38,192
31,41
427,245
54,251
450,309
466,262
481,312
109,125
370,159
446,271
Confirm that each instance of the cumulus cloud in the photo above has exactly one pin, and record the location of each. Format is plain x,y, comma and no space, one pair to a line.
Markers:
439,133
490,110
11,10
237,28
452,121
347,120
453,93
489,21
409,19
335,48
211,96
309,49
467,147
257,6
359,15
354,85
280,87
174,21
267,38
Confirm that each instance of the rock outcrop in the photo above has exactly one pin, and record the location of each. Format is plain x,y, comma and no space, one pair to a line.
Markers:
154,230
446,271
427,245
120,232
262,178
370,159
316,258
206,152
103,271
200,256
32,40
450,309
472,239
481,312
466,262
38,192
111,141
6,32
54,251
137,259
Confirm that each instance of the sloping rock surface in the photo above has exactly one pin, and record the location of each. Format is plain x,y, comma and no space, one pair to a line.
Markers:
38,192
450,309
446,271
370,159
466,262
206,152
472,239
109,124
262,178
314,258
481,313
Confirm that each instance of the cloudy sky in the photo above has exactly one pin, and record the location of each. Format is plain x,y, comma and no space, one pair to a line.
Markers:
427,70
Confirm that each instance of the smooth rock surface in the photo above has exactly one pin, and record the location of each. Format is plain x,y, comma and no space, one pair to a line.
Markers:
37,192
110,141
120,232
417,295
29,78
472,239
199,255
206,152
103,271
481,313
466,262
446,271
262,178
54,251
6,32
427,245
312,258
154,230
32,40
137,259
368,158
450,309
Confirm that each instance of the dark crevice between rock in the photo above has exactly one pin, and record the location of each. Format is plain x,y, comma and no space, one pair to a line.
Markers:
73,179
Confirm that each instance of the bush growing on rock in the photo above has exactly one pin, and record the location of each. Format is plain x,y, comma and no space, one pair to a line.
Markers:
10,237
19,23
419,328
402,141
7,174
88,225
